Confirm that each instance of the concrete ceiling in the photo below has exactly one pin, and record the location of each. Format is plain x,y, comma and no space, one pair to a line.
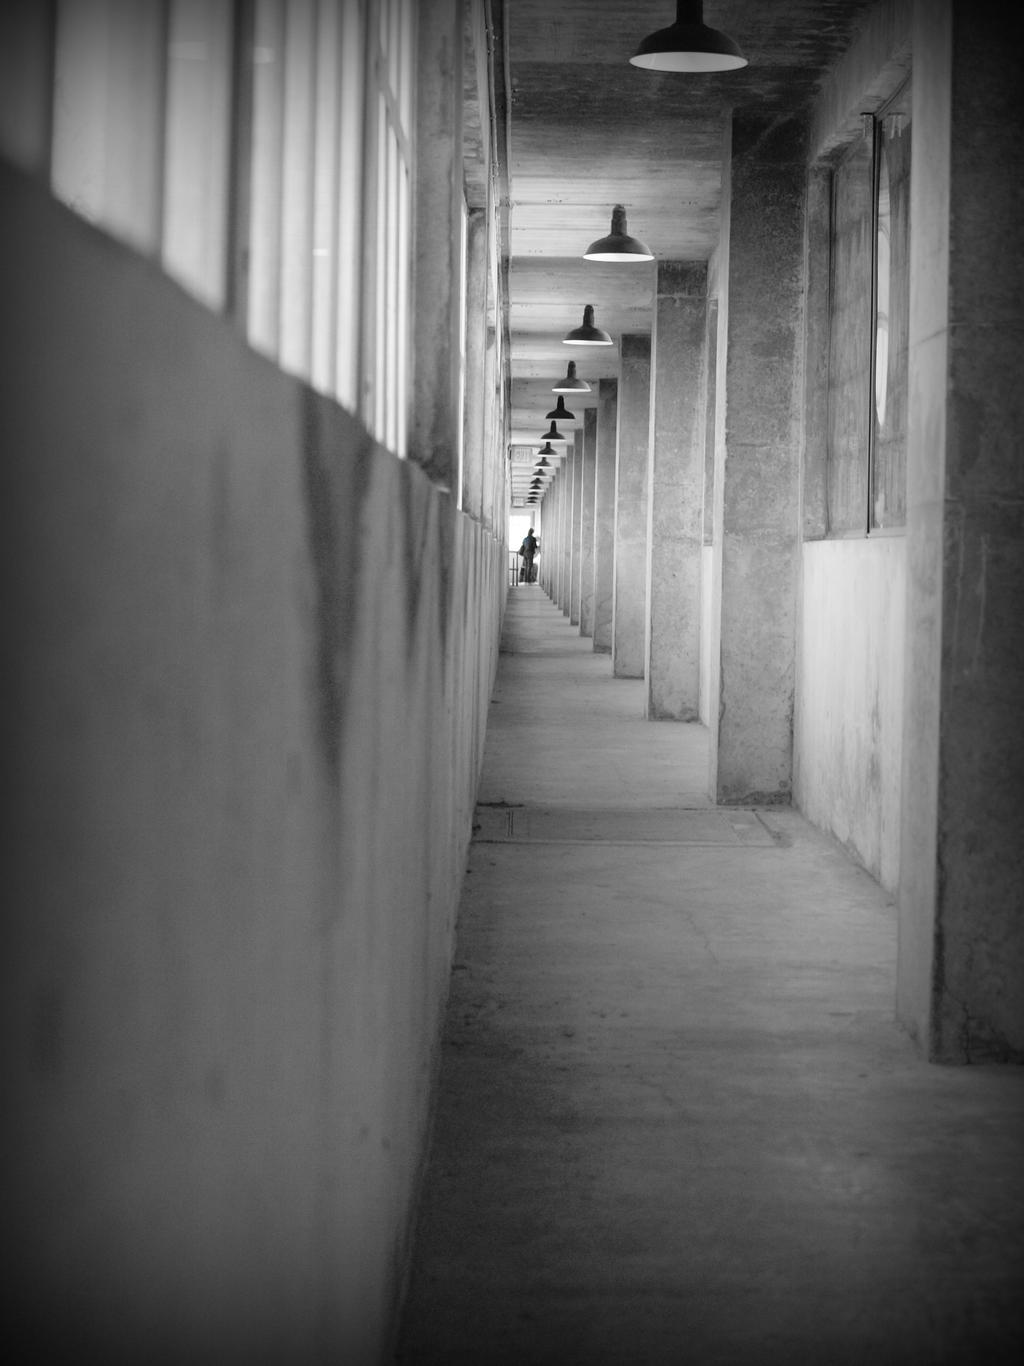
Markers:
587,131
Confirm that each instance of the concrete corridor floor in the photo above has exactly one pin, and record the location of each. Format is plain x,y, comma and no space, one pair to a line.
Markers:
677,1124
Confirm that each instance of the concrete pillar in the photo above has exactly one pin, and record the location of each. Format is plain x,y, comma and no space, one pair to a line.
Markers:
629,593
960,981
566,532
757,525
434,423
494,513
675,520
577,547
554,542
588,441
604,512
559,537
542,522
475,394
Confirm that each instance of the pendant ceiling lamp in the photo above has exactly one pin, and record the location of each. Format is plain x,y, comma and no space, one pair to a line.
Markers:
588,334
546,449
552,434
559,413
571,385
618,245
688,45
543,463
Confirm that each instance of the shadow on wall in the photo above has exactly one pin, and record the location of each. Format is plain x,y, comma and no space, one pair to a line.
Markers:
251,656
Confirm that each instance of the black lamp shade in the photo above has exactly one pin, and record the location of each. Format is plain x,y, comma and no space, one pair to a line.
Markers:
559,413
618,245
688,45
571,385
588,334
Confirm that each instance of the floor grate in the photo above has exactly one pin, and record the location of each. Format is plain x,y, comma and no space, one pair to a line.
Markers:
557,825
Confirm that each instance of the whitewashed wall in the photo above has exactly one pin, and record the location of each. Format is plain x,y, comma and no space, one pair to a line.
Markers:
707,564
249,656
849,696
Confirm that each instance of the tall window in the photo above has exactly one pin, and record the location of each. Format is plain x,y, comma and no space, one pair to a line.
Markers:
892,315
868,327
391,80
314,99
194,244
107,114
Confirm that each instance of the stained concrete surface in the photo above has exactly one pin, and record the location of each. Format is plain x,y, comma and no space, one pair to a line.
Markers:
676,1121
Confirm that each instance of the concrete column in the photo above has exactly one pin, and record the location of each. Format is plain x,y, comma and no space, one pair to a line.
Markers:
554,550
604,512
577,547
543,516
757,465
475,390
629,595
559,542
494,513
434,434
566,532
675,502
588,441
960,981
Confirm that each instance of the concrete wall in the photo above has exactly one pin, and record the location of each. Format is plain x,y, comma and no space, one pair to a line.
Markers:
251,654
848,722
849,717
960,985
707,569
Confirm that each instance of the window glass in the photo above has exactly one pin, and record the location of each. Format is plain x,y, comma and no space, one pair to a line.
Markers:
25,44
108,102
386,300
350,204
264,243
195,200
850,343
296,207
892,314
325,197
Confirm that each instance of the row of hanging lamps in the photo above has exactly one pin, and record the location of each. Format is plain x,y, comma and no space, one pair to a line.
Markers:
688,45
618,246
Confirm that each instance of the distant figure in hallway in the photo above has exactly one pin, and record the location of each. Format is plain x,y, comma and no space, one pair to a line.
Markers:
528,549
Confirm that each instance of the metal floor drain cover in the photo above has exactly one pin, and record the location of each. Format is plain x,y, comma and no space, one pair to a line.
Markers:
538,825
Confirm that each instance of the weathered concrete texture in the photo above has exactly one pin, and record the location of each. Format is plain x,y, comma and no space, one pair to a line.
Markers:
757,467
926,453
676,1120
474,443
707,571
249,657
587,525
576,530
675,524
604,512
439,198
565,533
814,477
629,596
965,493
849,719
